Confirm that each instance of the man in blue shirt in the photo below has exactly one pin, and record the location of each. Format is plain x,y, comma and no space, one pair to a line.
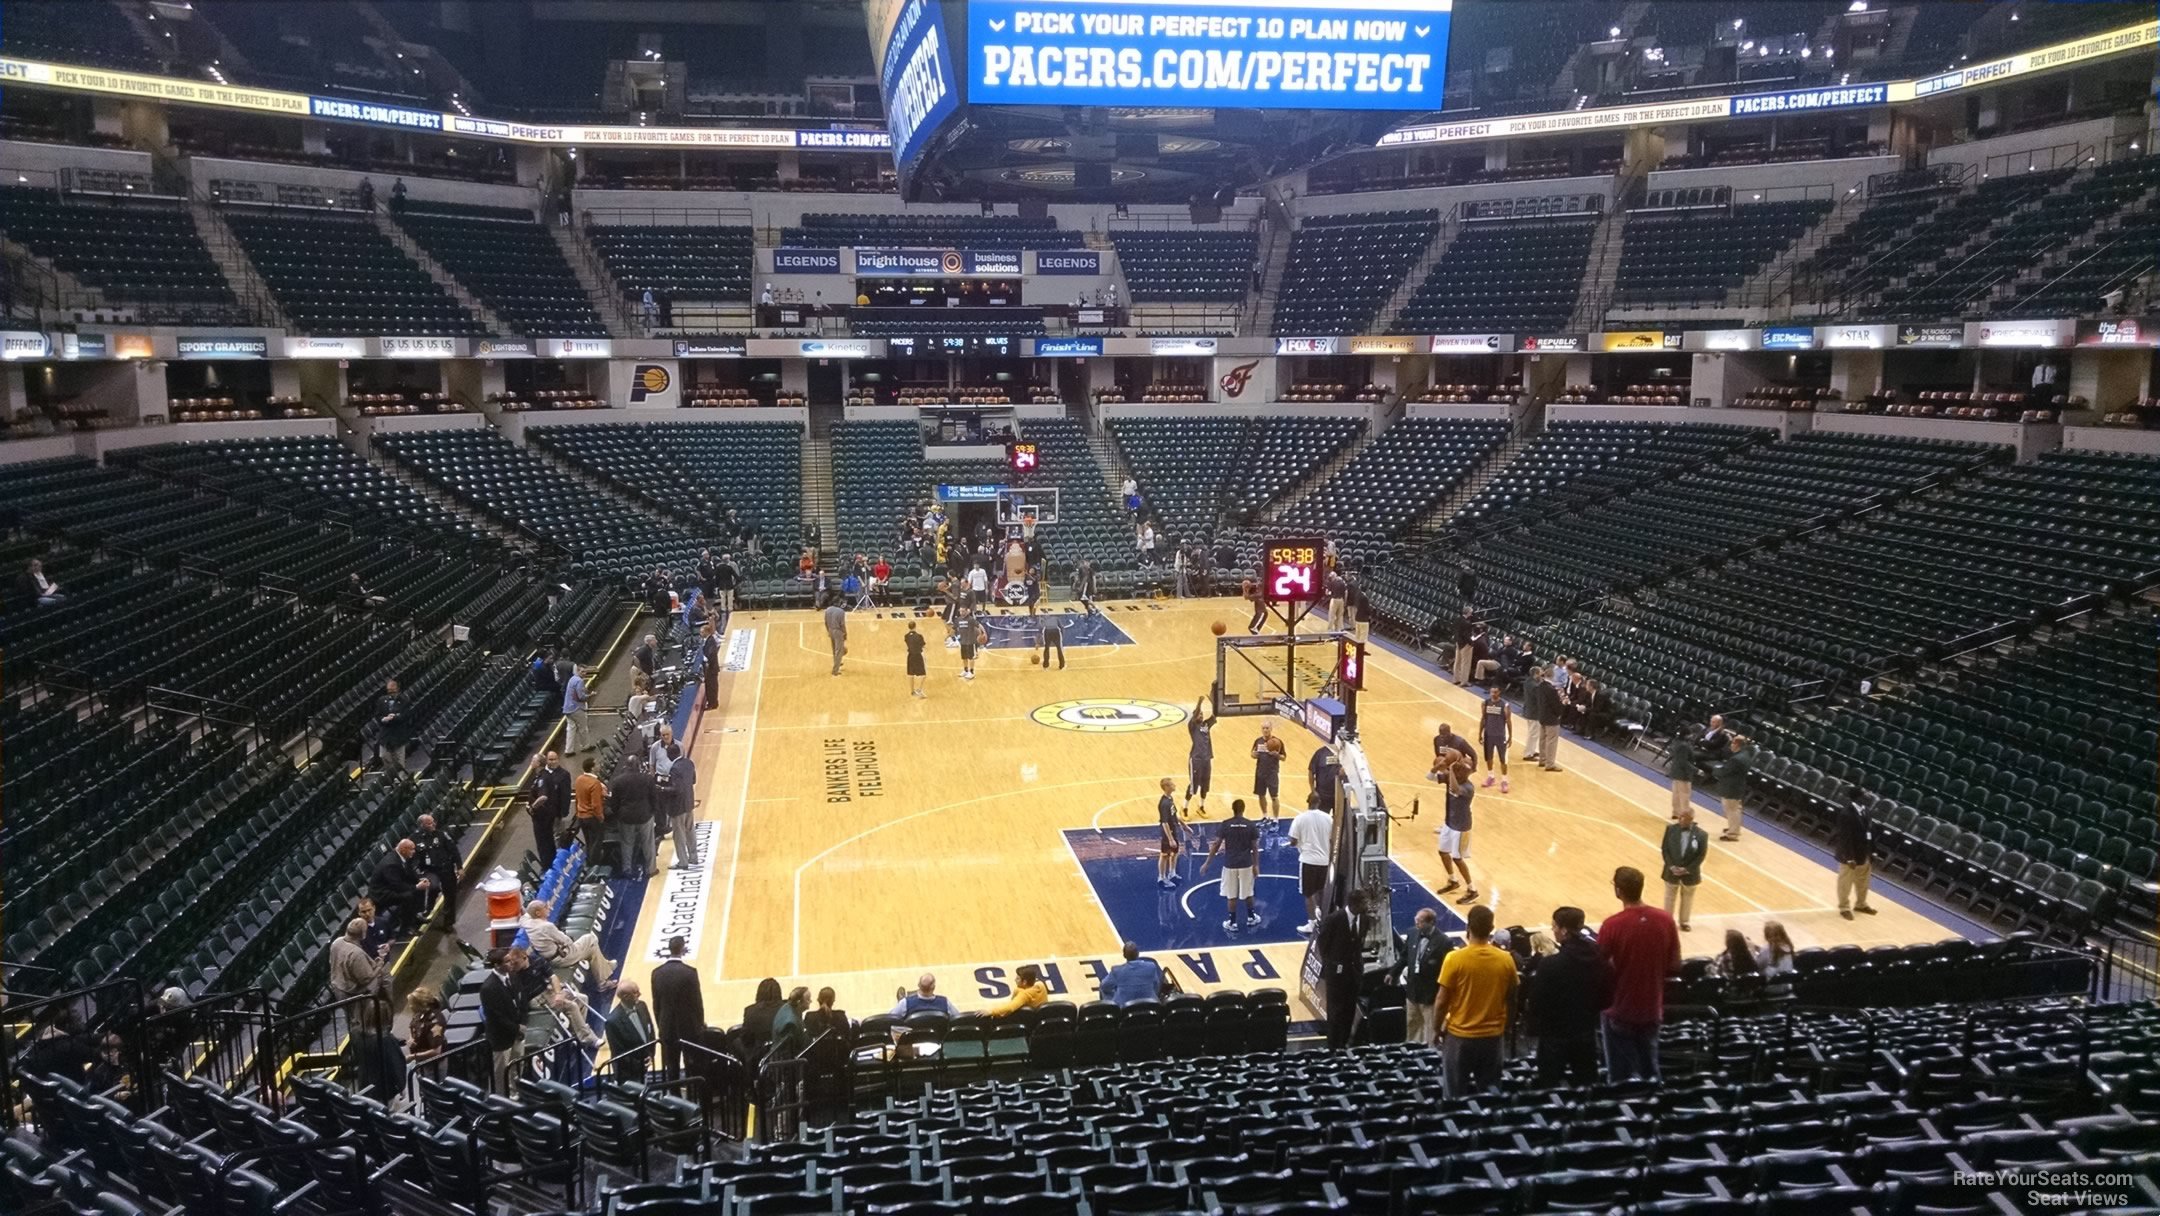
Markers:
1135,979
1239,843
575,702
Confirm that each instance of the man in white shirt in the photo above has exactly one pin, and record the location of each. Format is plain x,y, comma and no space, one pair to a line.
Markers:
46,590
1313,832
663,752
978,580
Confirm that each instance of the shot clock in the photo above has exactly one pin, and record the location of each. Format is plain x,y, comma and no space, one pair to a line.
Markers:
1023,457
1293,572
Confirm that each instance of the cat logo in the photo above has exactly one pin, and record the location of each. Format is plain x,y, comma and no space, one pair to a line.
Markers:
1097,716
649,380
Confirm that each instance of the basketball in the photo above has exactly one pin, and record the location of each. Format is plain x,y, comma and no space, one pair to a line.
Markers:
1218,629
1275,745
1034,660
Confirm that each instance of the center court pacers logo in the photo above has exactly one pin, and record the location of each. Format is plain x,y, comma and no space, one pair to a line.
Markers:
1108,715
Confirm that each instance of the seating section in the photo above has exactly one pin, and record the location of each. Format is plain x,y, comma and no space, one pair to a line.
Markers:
605,535
1697,257
1397,480
677,264
733,479
1884,280
877,471
1572,464
1343,267
1218,267
987,232
2041,756
1514,276
142,253
1183,466
1650,531
92,32
336,274
2112,243
511,264
1091,523
313,477
1903,204
1280,453
1947,572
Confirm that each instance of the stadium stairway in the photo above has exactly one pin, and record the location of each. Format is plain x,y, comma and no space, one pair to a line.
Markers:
600,288
1414,278
1430,526
443,278
1594,294
820,509
1318,475
232,258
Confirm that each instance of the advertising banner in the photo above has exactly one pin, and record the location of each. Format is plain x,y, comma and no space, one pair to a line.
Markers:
1789,337
2123,331
375,113
325,348
2018,333
224,347
24,344
502,348
711,348
423,347
1472,344
1944,337
83,346
1552,344
575,348
1319,54
1181,346
1068,348
1385,344
1620,341
1068,261
1803,101
1304,346
1720,339
806,261
908,44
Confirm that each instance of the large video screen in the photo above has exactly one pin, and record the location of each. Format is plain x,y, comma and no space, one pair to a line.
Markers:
915,72
1231,54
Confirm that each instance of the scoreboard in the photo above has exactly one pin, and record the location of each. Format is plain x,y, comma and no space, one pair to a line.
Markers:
1293,571
1024,457
982,344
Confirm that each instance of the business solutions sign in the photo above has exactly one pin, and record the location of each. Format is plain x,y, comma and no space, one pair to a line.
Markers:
931,263
1317,54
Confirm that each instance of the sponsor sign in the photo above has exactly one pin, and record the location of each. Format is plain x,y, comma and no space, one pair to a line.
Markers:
1722,339
1304,346
1233,380
2048,58
1566,122
576,348
422,347
848,141
2016,333
82,346
1472,344
2119,332
827,348
502,348
946,493
1108,715
652,384
909,44
684,895
917,263
224,347
1068,261
1800,101
711,348
1390,344
151,88
1068,348
1789,337
1944,336
1857,337
806,261
1091,316
1319,54
132,346
739,644
1181,346
1553,344
987,262
1637,340
23,344
375,113
325,348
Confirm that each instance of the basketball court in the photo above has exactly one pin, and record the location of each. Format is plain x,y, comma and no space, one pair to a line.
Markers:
856,836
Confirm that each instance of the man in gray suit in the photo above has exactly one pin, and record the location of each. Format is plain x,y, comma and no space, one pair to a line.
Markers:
836,632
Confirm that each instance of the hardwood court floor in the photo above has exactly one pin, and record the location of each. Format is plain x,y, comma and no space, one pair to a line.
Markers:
857,836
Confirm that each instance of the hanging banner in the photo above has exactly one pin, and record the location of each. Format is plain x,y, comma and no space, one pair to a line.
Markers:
223,347
806,261
1069,261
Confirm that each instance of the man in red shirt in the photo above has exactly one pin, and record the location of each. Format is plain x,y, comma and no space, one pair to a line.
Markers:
880,577
1643,947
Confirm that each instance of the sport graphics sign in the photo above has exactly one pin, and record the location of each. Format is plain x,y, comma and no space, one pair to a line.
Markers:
1318,54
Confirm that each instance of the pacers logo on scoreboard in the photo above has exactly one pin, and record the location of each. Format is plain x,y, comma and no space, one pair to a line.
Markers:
1108,715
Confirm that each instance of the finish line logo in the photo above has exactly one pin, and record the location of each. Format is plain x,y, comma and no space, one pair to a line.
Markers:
1101,716
1234,381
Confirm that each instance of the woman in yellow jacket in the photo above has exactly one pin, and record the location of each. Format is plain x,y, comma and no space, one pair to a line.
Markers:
1029,991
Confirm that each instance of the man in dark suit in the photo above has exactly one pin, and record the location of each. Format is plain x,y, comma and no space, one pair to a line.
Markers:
1852,841
1340,943
393,729
678,1004
502,1007
550,805
1562,1001
646,657
630,1033
633,800
709,668
680,797
398,887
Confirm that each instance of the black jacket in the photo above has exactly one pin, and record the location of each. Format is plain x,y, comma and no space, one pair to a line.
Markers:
632,798
394,878
682,786
502,1013
1541,702
1567,991
398,730
1340,945
1852,837
678,1000
554,786
437,853
646,658
1422,955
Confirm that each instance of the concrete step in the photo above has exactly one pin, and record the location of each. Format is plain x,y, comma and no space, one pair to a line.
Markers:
600,289
466,299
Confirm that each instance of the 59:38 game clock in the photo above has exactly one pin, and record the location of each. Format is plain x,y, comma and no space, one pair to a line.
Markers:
1293,571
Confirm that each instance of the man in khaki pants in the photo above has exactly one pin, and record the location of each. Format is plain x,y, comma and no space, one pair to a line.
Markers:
1680,766
1851,840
